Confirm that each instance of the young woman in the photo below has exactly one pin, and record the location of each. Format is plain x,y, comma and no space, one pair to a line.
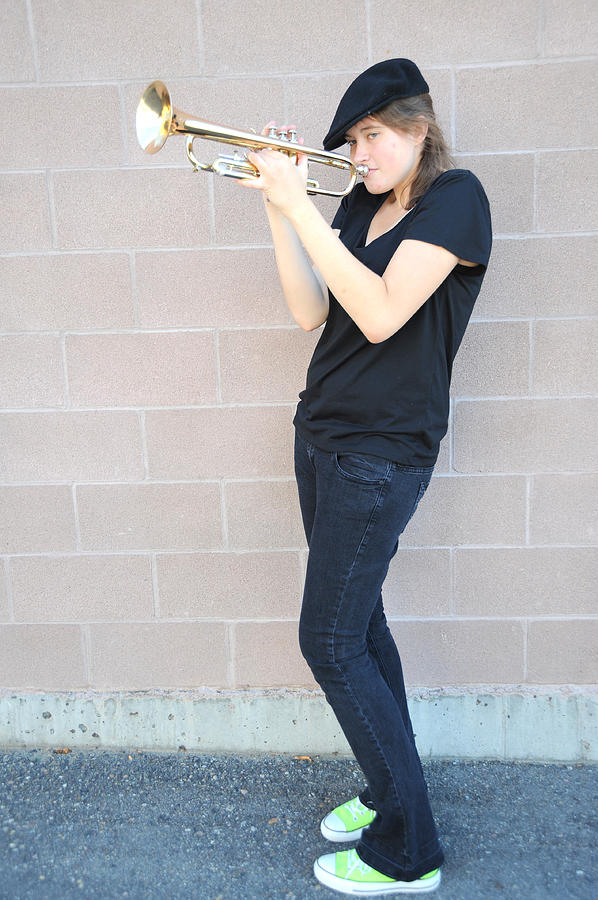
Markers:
396,289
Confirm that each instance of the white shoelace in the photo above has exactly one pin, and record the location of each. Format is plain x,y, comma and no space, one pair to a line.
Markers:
355,862
356,808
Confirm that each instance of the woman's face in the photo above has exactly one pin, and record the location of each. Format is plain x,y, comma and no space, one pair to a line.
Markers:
391,156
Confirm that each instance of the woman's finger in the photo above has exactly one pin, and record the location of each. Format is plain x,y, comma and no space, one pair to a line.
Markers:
250,183
266,128
255,158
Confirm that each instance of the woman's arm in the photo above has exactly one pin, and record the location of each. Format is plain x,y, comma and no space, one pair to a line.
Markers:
415,271
305,293
413,274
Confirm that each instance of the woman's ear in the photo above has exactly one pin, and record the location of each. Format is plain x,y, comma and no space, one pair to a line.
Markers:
420,131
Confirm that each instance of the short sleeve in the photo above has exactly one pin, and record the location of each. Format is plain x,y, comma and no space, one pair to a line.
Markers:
454,214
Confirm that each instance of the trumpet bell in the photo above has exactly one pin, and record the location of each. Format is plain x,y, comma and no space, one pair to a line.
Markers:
154,117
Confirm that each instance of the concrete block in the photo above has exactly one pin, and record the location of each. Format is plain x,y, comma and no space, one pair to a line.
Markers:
239,215
63,115
466,726
456,511
573,343
263,515
508,179
280,665
78,45
339,38
25,220
71,446
150,516
434,37
267,365
526,581
476,373
535,435
152,369
37,519
210,289
31,371
43,293
229,585
4,607
563,509
141,219
588,727
142,656
541,727
565,201
540,277
561,652
570,29
46,656
438,653
418,584
81,588
205,443
16,59
526,107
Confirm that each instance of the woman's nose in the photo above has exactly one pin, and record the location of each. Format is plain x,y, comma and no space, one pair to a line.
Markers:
360,154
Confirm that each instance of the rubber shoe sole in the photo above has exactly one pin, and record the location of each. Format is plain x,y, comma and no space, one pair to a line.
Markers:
334,829
339,837
361,889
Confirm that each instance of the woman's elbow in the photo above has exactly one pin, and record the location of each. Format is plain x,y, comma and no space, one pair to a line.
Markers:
309,324
378,334
381,330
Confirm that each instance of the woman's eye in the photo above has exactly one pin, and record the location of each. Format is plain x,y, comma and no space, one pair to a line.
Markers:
373,134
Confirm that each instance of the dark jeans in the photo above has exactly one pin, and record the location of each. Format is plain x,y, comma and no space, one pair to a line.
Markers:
354,508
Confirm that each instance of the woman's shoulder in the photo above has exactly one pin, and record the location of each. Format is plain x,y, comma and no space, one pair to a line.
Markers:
457,188
456,177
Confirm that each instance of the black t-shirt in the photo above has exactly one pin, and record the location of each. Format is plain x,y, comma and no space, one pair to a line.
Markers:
392,399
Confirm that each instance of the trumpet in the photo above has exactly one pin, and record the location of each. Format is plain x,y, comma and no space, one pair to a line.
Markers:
157,119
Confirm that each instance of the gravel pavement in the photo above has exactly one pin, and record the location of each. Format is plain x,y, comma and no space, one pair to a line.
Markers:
147,825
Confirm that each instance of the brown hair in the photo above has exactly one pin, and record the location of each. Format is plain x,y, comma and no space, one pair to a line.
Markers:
405,115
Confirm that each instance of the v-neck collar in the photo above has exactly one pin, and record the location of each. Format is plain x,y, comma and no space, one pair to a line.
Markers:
364,243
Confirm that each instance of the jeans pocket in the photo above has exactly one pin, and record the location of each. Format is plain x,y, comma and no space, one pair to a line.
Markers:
362,468
423,486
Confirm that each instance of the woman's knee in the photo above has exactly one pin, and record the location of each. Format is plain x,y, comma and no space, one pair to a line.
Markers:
322,649
311,643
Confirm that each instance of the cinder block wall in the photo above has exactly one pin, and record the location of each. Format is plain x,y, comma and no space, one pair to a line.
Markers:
150,535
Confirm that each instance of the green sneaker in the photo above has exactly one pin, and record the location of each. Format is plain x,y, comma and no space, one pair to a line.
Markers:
347,821
347,873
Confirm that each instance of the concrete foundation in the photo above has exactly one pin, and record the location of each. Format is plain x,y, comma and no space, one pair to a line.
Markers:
518,725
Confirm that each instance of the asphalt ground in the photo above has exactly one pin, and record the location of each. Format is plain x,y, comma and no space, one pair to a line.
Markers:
148,825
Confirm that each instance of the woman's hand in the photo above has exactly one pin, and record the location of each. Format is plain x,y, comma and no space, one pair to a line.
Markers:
282,178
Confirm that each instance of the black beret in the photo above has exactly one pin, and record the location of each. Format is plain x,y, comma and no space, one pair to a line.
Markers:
373,89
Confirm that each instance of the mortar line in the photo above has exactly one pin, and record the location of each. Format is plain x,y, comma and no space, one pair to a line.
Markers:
32,36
